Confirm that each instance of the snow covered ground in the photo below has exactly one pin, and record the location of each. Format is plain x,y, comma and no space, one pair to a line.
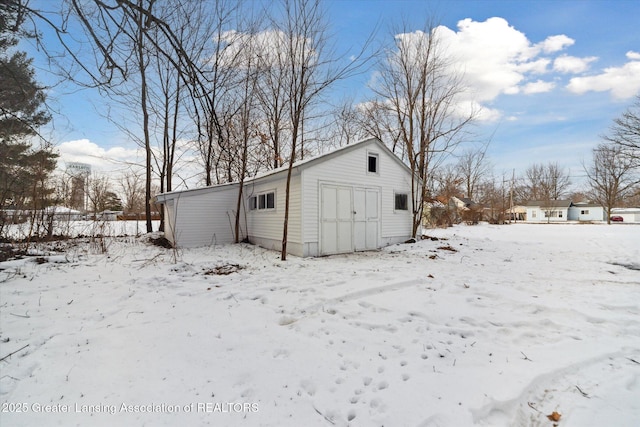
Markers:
488,325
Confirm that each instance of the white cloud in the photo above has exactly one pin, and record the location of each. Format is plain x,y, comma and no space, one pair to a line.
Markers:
489,52
634,56
539,86
538,66
572,64
623,82
112,159
555,43
486,114
497,58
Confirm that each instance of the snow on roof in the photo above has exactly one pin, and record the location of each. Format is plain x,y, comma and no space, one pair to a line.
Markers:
61,210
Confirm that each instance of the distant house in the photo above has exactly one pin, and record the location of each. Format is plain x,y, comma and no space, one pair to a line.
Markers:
629,215
562,211
586,212
109,215
516,213
63,213
465,209
357,197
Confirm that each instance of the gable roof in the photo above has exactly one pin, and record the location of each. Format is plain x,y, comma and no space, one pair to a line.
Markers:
299,165
303,164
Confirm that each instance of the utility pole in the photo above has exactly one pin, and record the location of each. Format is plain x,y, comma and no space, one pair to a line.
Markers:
513,177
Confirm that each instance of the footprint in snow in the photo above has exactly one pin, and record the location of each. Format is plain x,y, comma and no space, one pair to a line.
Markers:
308,386
280,353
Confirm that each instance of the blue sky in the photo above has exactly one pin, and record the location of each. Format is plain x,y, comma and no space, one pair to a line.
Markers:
551,74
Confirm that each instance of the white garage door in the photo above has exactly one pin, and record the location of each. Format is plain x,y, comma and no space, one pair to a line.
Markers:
349,219
365,218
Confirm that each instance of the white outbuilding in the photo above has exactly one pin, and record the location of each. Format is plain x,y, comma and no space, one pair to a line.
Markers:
355,198
629,215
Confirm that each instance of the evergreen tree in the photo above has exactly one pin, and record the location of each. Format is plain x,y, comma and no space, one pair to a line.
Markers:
24,170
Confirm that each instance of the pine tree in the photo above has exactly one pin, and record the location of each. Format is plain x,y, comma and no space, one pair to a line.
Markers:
24,170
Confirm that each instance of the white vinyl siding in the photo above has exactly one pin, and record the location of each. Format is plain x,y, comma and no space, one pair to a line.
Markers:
347,169
202,218
265,224
206,216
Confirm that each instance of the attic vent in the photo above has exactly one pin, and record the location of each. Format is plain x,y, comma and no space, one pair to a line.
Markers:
372,163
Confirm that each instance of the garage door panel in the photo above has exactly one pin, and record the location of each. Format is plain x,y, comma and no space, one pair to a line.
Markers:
329,200
344,237
371,235
329,237
344,204
372,205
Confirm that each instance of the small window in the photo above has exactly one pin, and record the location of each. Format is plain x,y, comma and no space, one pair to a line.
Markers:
372,163
263,201
584,212
401,203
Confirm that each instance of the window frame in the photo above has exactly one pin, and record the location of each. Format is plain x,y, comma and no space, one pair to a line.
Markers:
395,201
263,201
373,155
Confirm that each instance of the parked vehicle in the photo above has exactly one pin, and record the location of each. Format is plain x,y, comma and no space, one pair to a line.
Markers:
617,218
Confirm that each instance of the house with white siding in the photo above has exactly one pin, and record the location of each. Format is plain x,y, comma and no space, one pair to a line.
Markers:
562,211
629,215
355,198
586,212
548,211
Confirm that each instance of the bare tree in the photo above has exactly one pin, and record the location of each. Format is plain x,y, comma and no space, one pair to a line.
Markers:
132,191
125,36
98,191
447,183
494,196
474,167
612,175
420,87
272,95
244,131
347,127
625,132
307,70
544,182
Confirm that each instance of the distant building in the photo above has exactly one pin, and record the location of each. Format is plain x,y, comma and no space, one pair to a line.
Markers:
79,173
562,211
355,198
629,215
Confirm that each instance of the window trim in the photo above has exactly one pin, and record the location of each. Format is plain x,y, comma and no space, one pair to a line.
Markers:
375,155
260,201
